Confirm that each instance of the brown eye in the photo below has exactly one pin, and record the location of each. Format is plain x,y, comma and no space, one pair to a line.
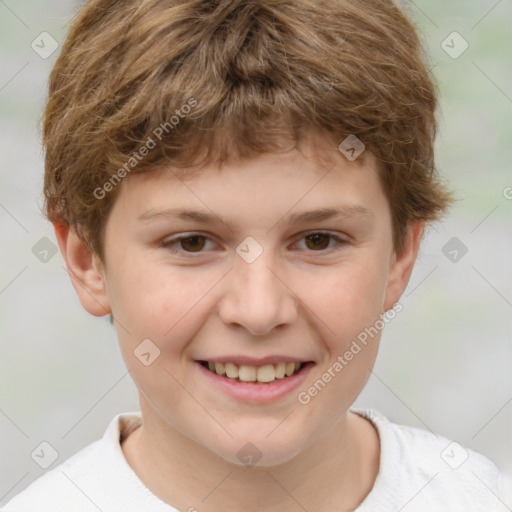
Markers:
192,243
319,241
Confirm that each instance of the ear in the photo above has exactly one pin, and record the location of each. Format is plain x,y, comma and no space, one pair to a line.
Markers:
402,265
84,269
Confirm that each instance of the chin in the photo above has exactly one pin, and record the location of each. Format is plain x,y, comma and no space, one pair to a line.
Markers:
259,451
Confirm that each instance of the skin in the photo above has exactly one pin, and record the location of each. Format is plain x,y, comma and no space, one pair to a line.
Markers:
298,298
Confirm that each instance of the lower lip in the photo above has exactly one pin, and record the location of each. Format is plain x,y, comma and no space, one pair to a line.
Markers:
253,392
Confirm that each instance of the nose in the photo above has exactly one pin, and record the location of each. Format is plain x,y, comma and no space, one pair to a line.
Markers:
257,297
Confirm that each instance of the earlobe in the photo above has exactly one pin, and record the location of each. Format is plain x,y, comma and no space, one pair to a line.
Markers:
85,271
403,264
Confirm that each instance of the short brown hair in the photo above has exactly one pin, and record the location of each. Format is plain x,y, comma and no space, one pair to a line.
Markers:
254,70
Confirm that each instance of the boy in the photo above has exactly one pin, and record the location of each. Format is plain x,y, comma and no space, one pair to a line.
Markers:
243,186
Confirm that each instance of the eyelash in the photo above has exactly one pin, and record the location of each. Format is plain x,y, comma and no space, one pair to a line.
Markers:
167,244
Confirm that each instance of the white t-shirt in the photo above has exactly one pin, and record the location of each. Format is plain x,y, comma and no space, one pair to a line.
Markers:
419,472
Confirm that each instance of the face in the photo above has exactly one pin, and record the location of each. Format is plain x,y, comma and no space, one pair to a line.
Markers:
251,280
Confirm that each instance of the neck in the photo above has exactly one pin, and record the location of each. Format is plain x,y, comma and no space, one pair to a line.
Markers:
337,471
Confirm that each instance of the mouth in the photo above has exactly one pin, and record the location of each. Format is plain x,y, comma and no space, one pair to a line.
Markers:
262,384
264,374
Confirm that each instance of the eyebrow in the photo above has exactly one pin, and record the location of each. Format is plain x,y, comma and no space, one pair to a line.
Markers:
296,218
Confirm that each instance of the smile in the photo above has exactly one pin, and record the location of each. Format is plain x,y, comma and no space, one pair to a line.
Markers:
261,384
247,373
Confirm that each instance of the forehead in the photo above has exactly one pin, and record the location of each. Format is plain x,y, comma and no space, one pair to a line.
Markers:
261,190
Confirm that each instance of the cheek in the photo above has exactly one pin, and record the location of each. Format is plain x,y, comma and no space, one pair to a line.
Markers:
348,305
162,305
348,299
157,297
355,316
178,304
349,308
165,305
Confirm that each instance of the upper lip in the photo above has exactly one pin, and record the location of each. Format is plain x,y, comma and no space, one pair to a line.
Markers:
255,361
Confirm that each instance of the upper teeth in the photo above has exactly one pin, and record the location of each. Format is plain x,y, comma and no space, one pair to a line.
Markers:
246,373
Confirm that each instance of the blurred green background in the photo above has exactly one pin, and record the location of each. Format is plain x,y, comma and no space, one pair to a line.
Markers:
445,362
